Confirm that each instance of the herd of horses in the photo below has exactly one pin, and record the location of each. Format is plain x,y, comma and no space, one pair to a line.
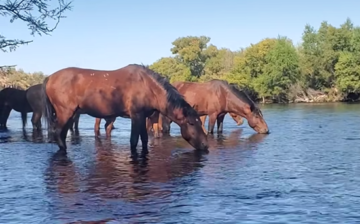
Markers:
134,92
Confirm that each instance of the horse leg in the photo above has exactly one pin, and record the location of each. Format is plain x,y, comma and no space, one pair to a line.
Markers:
24,119
165,123
144,135
212,120
138,127
203,119
76,122
240,121
149,125
65,118
5,116
36,120
155,121
97,126
109,126
71,126
220,123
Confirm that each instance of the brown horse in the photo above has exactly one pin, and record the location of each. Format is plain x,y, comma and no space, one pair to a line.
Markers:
215,98
133,92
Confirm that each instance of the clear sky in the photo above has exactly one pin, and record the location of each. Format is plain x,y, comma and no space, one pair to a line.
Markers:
114,33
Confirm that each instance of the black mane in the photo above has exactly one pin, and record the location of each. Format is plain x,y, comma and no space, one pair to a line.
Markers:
245,97
174,98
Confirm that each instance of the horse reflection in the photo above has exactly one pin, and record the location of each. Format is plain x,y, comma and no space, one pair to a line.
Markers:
233,140
61,175
75,137
114,175
36,136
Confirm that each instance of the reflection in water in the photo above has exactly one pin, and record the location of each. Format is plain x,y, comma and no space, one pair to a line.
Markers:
112,175
75,137
61,175
234,140
36,136
293,175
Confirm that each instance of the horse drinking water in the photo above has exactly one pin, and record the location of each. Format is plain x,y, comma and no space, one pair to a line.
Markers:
215,98
133,92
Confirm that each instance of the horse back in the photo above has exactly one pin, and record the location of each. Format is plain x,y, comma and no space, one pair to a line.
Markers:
15,98
110,92
206,97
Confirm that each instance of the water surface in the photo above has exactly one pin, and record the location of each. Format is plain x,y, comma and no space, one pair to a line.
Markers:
305,171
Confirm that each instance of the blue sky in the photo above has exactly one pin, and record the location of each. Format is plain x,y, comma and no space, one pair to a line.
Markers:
112,34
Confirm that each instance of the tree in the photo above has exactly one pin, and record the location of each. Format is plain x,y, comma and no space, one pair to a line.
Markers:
190,52
281,69
25,11
218,63
172,69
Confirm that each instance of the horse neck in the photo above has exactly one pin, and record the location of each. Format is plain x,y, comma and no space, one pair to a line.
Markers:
235,105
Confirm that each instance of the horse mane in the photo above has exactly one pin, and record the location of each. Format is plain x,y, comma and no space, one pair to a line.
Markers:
174,98
244,97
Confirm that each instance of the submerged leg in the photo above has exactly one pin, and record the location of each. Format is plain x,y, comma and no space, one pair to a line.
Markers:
36,120
220,123
76,122
65,118
165,123
155,121
97,126
144,135
203,119
5,116
138,127
240,121
24,119
109,126
212,120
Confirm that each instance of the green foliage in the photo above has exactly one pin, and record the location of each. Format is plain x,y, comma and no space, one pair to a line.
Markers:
35,13
172,69
348,72
326,62
324,67
20,79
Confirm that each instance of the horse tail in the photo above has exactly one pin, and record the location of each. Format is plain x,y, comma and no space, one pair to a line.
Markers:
24,118
48,109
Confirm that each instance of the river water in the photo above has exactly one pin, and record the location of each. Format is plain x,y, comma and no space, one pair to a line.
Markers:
306,171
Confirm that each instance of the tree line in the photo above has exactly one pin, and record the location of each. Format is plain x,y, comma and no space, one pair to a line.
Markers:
325,67
19,79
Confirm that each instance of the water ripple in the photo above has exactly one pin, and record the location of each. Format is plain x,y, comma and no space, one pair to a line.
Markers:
305,171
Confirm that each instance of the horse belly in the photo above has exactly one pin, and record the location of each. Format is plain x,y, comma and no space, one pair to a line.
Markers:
104,109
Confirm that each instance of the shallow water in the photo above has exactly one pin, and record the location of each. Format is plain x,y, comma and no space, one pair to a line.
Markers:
305,171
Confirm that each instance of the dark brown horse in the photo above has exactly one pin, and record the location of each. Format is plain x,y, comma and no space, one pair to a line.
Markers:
133,92
13,99
215,98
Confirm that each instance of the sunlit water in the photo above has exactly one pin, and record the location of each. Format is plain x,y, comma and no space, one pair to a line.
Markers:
306,171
